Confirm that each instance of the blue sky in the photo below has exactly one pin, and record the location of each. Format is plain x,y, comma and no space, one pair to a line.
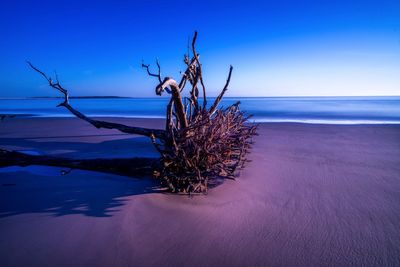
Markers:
277,48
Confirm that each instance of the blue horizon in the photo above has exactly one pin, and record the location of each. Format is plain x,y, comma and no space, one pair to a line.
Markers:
326,110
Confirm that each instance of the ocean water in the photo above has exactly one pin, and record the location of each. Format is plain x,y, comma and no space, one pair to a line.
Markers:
332,110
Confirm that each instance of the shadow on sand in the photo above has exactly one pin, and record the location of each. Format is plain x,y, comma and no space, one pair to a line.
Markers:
104,174
43,189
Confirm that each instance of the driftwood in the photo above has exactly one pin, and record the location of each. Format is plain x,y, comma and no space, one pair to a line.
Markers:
122,166
199,144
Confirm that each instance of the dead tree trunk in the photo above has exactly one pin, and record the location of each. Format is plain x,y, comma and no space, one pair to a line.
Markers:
199,144
122,166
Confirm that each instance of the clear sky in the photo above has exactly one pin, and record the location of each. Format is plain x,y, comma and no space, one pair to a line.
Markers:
277,48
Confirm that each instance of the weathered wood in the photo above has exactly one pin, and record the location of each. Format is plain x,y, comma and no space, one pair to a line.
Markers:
176,95
198,147
97,123
200,72
122,166
219,98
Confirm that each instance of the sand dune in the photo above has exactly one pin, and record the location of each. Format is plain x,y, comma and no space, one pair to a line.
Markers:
313,195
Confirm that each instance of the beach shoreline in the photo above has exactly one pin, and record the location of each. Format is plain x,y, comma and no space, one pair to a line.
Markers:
317,110
312,195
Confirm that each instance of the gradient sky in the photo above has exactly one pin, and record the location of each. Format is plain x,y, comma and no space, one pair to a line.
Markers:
277,48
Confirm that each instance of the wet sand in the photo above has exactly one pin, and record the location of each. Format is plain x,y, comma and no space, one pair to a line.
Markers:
313,195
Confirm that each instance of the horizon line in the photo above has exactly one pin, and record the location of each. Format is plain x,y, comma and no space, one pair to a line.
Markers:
143,97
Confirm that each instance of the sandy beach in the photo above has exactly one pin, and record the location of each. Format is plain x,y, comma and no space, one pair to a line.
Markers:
313,195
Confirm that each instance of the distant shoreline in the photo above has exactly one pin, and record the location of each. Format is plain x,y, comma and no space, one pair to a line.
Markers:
211,97
58,97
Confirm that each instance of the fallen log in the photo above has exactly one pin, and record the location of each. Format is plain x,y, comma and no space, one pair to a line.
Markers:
200,144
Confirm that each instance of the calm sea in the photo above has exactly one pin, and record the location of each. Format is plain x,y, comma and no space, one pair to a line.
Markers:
333,110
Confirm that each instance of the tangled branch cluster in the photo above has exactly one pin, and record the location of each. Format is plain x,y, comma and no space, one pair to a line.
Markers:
213,148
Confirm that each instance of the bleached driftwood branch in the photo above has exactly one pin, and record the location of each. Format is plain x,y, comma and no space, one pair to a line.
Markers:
97,123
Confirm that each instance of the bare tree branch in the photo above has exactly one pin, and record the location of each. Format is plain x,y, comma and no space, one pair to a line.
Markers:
218,99
158,75
97,123
196,56
176,95
187,72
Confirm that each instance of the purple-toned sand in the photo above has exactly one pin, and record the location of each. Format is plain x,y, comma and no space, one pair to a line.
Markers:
313,195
